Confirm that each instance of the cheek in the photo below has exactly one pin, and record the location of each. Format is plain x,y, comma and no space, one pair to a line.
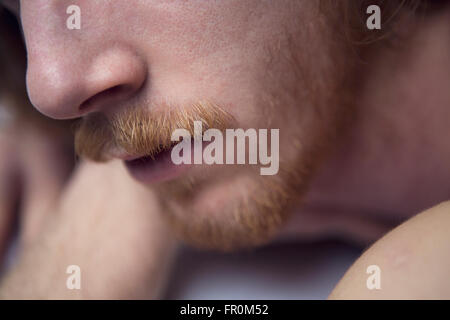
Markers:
191,30
207,49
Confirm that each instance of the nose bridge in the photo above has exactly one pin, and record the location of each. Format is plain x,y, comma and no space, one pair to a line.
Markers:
73,72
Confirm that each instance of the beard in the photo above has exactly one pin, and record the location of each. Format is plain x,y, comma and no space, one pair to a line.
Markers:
252,207
232,207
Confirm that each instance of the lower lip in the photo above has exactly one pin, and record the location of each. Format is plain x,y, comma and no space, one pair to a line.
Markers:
159,169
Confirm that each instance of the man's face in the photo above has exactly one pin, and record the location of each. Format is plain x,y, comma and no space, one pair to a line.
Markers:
149,63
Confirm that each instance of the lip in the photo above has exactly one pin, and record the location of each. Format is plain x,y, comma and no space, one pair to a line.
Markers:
152,170
122,155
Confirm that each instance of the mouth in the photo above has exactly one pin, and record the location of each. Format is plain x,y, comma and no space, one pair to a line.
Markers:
158,167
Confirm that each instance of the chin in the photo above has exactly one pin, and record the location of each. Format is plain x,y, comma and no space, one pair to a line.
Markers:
230,208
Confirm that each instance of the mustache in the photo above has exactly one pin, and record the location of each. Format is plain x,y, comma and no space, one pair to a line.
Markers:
139,131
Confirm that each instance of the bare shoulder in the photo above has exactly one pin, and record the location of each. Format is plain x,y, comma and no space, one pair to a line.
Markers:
410,262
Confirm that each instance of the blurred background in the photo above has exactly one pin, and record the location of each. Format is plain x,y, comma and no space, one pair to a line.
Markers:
282,271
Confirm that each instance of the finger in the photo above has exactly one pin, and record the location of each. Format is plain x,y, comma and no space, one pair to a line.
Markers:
410,262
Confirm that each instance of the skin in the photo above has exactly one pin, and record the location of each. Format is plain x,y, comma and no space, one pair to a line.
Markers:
413,259
231,57
134,261
200,50
248,65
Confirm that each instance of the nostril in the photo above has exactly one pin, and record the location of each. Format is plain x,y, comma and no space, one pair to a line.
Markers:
99,98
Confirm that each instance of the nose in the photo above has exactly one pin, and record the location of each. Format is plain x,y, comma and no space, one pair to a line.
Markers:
65,86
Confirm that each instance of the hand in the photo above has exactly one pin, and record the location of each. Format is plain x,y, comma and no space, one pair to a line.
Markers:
110,227
34,167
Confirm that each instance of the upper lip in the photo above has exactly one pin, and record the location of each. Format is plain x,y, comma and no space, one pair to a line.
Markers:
119,153
123,155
